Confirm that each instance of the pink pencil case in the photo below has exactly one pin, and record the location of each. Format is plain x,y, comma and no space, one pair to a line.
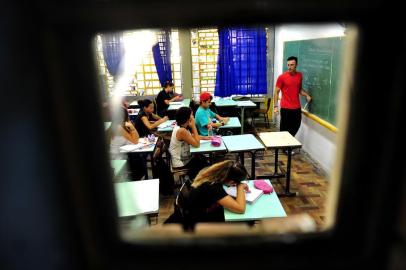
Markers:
216,141
264,186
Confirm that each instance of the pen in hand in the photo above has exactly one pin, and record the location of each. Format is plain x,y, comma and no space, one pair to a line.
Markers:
247,189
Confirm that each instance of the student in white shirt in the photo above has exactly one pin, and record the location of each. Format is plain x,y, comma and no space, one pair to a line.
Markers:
183,136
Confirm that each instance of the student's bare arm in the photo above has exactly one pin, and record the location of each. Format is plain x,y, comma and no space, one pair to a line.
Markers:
236,205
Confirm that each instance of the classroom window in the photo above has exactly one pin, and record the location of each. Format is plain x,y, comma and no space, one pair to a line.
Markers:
205,47
142,78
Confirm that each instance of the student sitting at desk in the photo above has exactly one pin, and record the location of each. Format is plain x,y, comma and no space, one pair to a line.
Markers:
206,199
164,97
122,132
146,119
204,116
183,136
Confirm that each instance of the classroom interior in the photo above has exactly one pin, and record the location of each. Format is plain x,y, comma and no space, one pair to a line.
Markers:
59,207
194,62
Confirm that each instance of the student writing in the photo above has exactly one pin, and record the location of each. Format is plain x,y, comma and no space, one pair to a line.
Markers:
206,198
147,120
204,116
165,96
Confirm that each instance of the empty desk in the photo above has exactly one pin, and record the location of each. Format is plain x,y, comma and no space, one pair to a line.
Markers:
242,144
284,140
243,105
137,197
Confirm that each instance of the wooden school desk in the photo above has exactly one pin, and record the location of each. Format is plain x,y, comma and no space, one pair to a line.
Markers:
266,206
241,144
280,140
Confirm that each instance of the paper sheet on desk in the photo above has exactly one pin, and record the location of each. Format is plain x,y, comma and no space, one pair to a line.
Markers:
176,103
167,125
250,197
205,141
133,147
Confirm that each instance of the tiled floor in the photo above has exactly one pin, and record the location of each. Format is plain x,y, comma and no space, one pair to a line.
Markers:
306,178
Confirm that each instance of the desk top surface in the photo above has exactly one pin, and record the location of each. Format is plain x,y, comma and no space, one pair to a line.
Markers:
167,126
137,197
239,143
178,104
206,147
117,165
279,139
266,206
224,102
234,122
143,146
246,103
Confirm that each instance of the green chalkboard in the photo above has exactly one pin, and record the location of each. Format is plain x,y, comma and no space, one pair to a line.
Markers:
320,62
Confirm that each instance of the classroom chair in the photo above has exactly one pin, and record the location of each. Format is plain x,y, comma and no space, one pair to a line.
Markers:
180,175
181,207
264,112
160,168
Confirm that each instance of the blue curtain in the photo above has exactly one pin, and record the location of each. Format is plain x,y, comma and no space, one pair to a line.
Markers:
113,51
162,56
241,64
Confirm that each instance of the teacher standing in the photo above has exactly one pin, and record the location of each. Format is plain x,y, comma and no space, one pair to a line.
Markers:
290,83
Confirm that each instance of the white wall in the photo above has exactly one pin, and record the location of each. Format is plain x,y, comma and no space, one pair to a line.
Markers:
318,141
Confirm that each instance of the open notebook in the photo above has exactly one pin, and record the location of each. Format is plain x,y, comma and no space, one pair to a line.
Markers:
250,197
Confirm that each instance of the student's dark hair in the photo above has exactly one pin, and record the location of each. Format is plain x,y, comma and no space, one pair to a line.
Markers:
144,103
237,173
183,115
292,58
167,84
